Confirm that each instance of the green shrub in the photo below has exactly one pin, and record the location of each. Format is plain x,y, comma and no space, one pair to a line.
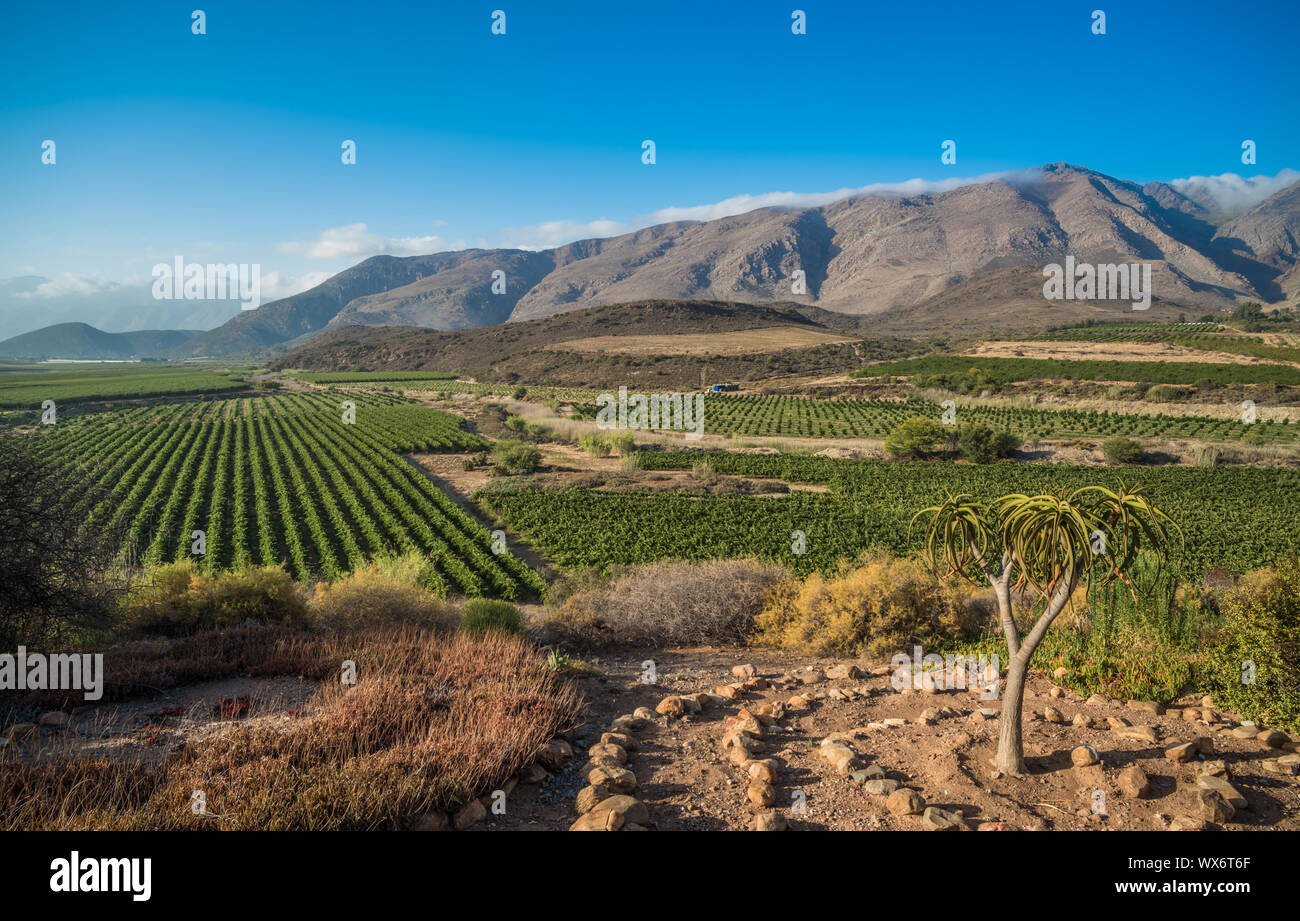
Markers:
622,442
513,458
388,591
1252,663
595,445
1168,393
915,437
481,614
180,598
983,444
1121,450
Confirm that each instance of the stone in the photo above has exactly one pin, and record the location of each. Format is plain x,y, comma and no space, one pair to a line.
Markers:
905,801
1181,753
995,826
1056,692
1241,732
761,793
19,731
625,723
1173,713
1097,700
643,713
533,774
841,757
1053,715
1061,672
1084,755
671,707
555,753
1186,823
598,820
1204,745
1146,706
841,672
1082,721
1221,786
1117,722
1272,738
1190,715
55,719
471,813
1213,768
943,819
1133,782
882,787
774,710
1206,701
758,683
623,740
631,809
1214,808
430,821
797,703
589,798
744,671
870,772
612,778
1137,733
769,820
728,691
764,770
607,751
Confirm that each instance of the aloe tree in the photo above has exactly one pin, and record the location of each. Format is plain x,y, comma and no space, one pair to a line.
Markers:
1047,545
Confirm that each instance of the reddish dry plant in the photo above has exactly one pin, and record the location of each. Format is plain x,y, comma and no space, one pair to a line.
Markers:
432,721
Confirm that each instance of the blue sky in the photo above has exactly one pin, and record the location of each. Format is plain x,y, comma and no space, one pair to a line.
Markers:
226,146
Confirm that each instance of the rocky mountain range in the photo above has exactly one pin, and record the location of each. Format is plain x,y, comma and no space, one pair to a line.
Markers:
973,255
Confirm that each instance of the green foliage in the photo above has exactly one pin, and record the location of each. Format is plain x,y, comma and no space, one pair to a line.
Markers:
514,458
983,444
1252,664
1121,450
995,372
480,615
180,598
595,445
915,437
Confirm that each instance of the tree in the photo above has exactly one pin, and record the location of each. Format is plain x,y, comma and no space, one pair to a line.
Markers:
915,437
1047,545
983,444
57,574
1121,450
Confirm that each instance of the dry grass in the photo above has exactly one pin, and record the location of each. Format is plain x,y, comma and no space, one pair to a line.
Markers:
432,721
738,342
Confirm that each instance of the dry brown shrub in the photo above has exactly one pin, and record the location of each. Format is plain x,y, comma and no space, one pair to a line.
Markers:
669,603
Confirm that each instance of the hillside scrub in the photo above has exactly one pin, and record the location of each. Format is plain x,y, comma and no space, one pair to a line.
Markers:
179,598
386,592
663,604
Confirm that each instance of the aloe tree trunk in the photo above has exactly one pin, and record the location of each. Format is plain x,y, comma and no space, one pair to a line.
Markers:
1001,582
1011,751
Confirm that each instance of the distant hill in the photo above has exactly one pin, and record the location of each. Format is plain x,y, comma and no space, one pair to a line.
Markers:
84,342
868,256
560,350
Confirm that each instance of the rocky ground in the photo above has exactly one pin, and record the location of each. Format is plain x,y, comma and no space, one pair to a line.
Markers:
829,745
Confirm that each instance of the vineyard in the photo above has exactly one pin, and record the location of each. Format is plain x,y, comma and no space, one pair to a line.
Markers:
806,417
28,389
1204,336
305,479
350,377
1234,518
1008,370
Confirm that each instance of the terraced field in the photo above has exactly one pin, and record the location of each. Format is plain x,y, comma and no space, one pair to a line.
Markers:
28,387
284,479
1208,336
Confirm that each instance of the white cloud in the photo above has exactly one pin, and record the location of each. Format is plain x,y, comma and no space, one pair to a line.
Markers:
69,284
557,233
355,242
1231,193
275,285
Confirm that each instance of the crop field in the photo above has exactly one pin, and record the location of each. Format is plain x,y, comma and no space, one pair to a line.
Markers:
1209,337
1008,370
349,377
26,388
284,479
1234,518
806,417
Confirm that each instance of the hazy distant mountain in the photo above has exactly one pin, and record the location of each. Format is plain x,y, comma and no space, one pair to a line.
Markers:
31,302
867,255
80,341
